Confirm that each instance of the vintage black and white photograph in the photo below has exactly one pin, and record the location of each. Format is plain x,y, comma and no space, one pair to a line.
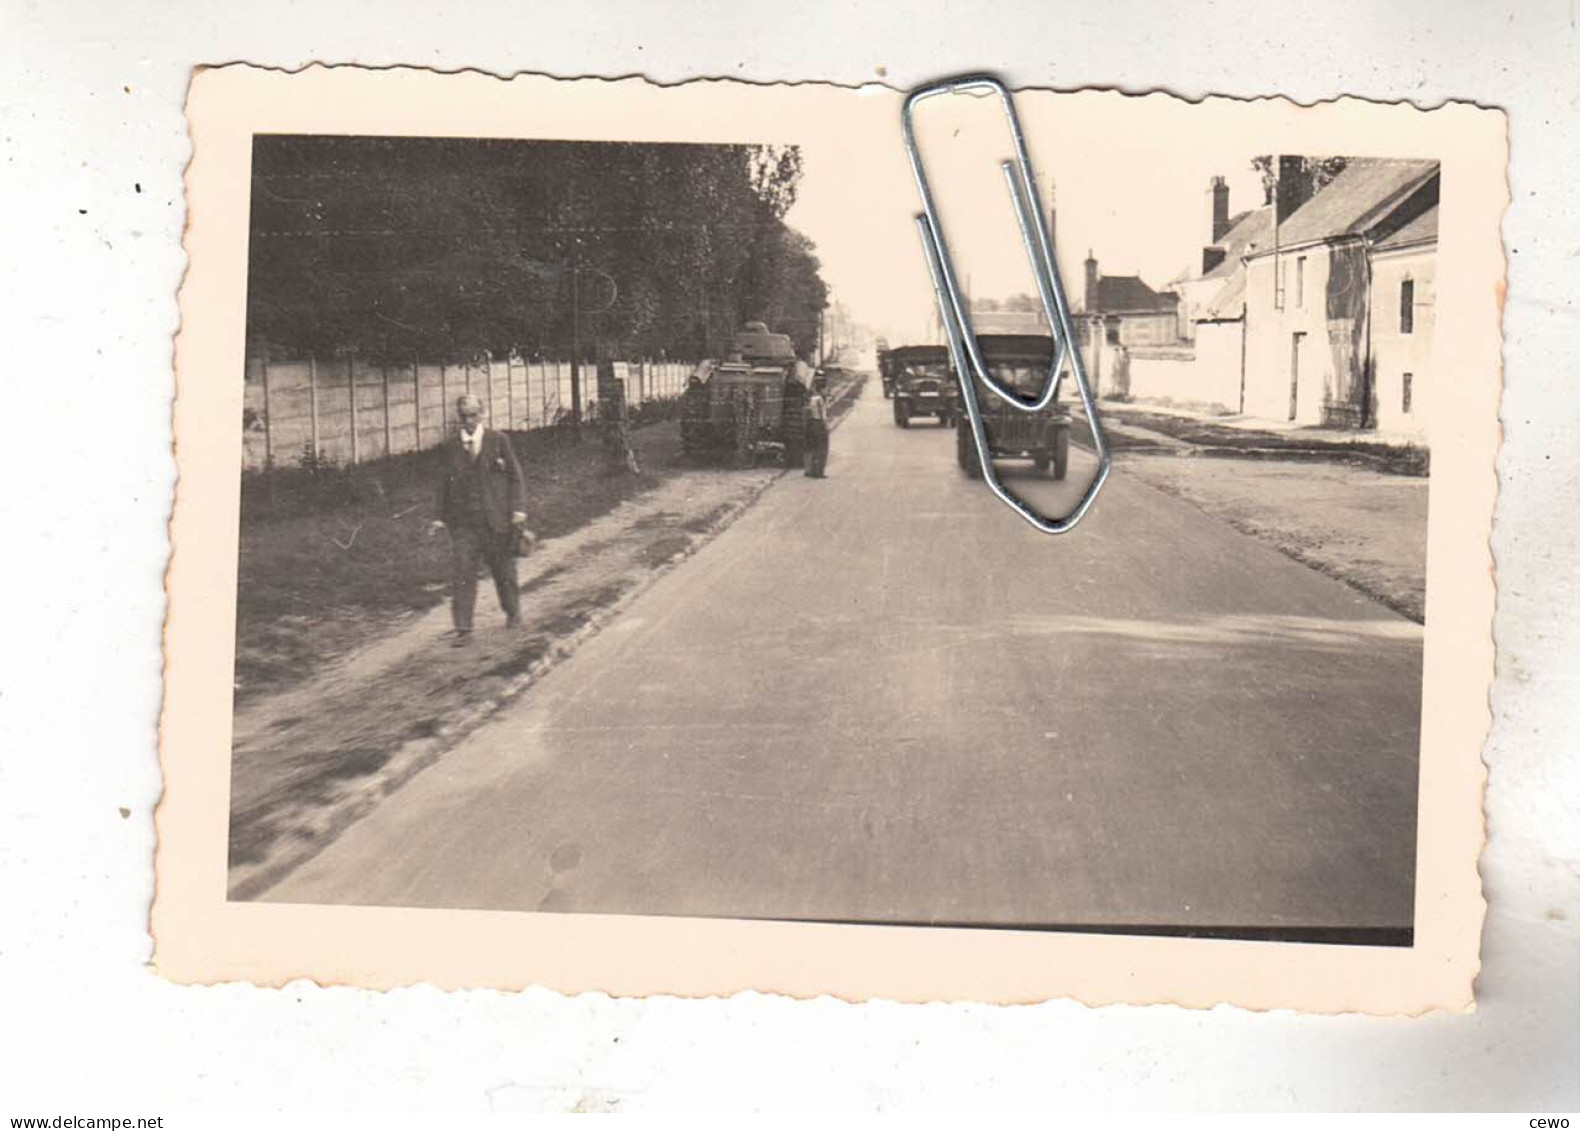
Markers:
612,536
598,555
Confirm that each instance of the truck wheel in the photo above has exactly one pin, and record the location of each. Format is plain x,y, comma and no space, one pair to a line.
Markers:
1041,460
1061,453
966,452
902,414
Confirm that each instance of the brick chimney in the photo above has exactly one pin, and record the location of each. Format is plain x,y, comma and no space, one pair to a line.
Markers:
1091,305
1218,188
1294,187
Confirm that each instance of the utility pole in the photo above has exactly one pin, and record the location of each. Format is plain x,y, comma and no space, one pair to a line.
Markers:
576,336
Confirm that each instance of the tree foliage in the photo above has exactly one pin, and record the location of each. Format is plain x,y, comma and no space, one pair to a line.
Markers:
1300,177
399,246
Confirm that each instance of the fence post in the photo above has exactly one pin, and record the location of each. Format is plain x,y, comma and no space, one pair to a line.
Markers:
416,403
488,374
351,394
312,403
444,398
384,380
268,420
510,393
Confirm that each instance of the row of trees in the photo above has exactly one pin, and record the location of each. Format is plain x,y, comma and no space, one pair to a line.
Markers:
402,246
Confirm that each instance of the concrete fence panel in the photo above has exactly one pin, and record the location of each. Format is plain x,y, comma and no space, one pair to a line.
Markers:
349,410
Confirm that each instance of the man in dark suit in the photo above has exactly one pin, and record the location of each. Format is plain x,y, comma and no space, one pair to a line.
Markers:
482,501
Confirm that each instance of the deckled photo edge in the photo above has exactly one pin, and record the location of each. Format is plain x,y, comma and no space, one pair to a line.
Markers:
201,938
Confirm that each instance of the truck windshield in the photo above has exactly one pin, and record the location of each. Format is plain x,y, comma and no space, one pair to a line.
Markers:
937,371
1022,376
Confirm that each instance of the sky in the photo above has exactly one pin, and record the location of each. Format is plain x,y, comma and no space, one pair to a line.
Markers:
1138,198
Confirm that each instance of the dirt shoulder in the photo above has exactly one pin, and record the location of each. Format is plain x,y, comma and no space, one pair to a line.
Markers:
313,756
1139,428
1364,527
332,559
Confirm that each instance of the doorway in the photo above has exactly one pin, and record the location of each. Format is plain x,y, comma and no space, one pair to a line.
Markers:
1294,374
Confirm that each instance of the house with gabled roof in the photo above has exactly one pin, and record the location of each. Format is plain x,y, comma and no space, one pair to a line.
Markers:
1338,304
1403,271
1129,312
1211,293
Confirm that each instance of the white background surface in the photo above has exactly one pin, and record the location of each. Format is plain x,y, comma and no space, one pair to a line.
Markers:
91,108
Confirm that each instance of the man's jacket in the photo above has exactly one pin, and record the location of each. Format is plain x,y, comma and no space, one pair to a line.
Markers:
493,480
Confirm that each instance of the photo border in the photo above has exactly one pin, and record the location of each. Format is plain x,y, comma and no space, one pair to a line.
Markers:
200,937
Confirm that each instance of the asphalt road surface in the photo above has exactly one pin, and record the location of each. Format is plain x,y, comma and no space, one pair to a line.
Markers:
882,697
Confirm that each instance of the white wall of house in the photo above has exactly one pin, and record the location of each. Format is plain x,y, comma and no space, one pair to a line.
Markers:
1395,352
1277,370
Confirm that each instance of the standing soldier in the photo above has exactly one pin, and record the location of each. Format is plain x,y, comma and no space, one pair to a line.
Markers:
482,500
612,414
792,412
817,428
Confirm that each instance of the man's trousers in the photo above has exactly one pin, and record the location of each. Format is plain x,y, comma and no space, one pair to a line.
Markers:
816,448
471,546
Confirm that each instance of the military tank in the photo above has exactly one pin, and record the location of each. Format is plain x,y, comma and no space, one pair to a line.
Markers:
749,407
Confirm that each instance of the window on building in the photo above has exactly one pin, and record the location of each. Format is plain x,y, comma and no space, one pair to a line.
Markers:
1404,397
1407,307
1113,331
1300,282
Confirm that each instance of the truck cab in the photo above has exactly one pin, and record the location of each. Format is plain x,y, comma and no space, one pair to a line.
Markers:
1020,362
923,384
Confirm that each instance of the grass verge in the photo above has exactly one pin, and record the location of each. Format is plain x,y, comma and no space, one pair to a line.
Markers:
1307,443
331,557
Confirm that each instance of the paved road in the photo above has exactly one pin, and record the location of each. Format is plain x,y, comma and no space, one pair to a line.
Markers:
883,697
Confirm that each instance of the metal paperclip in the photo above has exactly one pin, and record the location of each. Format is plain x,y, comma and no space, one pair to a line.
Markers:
963,347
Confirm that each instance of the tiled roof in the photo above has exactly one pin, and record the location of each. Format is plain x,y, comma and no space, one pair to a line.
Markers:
1419,230
1228,302
1355,199
1125,294
1255,228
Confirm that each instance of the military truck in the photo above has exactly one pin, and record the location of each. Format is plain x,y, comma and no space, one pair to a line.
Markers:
1018,361
923,384
749,406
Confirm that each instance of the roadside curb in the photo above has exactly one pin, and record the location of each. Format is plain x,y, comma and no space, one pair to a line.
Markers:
360,798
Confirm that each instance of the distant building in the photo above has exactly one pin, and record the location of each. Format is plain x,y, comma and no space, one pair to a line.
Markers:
1009,321
1129,312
